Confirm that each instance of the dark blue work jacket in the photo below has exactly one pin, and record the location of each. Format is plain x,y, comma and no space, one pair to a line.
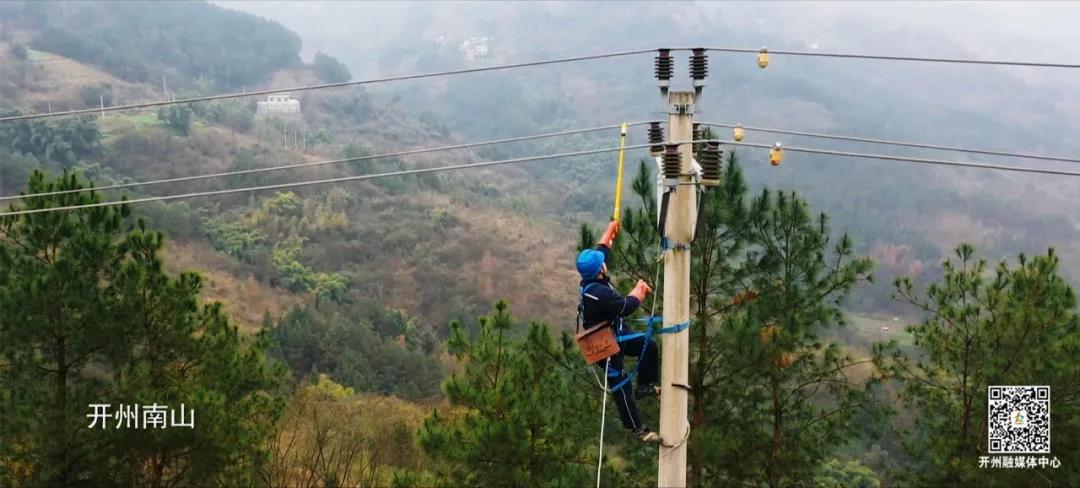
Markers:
600,302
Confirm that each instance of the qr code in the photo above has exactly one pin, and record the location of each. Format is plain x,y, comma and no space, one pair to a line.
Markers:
1019,419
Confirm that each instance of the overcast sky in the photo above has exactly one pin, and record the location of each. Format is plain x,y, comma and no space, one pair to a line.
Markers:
1042,31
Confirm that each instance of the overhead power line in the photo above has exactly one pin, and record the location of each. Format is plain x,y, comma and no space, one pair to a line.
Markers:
942,162
324,86
897,143
615,54
899,58
410,152
280,186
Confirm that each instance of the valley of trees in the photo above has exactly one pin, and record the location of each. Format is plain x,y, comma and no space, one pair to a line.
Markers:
416,331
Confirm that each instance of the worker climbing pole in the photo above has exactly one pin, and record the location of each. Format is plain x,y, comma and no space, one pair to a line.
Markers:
605,337
603,312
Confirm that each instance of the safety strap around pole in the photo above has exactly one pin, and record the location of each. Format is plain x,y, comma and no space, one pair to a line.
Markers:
647,334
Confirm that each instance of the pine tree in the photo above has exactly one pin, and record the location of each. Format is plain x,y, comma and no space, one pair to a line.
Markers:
517,418
53,327
90,317
1016,325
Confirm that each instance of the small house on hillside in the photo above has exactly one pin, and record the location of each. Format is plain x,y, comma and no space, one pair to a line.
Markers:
475,48
279,104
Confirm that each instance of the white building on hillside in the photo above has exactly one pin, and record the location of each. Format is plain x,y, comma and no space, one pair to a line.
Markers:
475,48
279,104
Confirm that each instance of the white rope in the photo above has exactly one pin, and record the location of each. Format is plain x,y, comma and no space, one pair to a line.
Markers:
603,419
607,363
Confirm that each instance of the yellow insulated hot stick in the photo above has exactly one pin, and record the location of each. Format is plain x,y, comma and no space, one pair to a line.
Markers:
618,179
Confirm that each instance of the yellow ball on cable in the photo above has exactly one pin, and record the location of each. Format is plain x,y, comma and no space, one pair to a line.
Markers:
776,154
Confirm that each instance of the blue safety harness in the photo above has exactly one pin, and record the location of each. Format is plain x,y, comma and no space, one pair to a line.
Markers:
652,322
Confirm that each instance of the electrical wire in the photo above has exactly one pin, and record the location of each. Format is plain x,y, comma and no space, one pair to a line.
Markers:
942,162
370,81
897,143
325,181
533,158
899,58
326,162
160,103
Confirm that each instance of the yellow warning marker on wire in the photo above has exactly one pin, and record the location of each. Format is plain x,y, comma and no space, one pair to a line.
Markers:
763,58
738,132
618,179
776,154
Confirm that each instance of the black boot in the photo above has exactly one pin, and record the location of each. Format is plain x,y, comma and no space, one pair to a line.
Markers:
647,436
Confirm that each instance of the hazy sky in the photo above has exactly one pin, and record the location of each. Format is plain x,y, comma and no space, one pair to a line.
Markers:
1044,31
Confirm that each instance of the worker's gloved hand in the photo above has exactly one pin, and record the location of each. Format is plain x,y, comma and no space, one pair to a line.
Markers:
641,290
608,239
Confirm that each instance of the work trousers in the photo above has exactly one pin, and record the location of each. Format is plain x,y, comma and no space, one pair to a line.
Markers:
648,373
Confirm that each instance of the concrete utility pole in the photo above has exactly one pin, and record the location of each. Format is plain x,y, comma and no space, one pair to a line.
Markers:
674,370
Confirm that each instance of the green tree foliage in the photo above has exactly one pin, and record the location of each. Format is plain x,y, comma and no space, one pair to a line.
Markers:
290,222
328,287
1014,325
90,317
193,39
320,137
341,108
286,258
331,436
329,69
770,402
64,141
346,344
233,238
851,474
516,419
286,204
233,114
96,95
245,160
176,118
15,170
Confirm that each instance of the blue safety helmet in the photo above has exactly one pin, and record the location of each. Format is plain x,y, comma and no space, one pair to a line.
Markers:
589,263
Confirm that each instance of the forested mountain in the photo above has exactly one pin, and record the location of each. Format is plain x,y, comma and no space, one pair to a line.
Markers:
179,40
907,216
344,335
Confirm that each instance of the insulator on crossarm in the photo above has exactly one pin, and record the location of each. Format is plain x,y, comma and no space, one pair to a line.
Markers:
672,161
665,68
776,154
656,138
699,68
711,161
